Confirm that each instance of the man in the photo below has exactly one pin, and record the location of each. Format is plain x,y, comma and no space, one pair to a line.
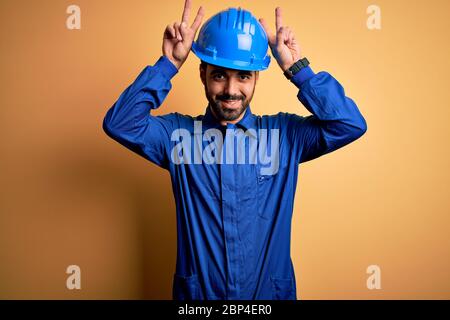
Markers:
233,173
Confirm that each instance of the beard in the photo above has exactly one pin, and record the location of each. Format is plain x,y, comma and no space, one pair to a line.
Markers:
228,114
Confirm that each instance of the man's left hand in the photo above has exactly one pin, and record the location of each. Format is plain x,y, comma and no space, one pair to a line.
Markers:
283,44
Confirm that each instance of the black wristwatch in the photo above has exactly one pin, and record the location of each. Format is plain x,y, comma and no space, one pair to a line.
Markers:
296,67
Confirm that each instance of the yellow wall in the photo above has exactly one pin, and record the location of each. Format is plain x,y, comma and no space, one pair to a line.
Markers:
70,195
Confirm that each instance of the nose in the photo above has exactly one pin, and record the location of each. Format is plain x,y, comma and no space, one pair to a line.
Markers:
231,87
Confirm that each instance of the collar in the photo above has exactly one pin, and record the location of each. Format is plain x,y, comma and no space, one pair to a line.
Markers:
248,121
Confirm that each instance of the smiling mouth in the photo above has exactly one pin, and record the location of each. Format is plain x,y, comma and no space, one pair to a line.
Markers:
230,103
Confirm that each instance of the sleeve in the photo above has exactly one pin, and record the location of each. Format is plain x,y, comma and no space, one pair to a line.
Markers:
129,121
335,120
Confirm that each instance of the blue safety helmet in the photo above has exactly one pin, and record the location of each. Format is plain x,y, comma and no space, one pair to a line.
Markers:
233,39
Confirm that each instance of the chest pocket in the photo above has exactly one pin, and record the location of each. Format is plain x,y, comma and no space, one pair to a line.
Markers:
267,192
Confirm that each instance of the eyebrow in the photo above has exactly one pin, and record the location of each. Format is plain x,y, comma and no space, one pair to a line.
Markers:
222,71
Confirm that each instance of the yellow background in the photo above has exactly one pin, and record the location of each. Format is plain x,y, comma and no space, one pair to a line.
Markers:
70,195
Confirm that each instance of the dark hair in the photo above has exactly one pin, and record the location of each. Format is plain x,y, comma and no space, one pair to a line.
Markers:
204,64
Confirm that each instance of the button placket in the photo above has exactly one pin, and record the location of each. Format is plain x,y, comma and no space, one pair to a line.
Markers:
229,201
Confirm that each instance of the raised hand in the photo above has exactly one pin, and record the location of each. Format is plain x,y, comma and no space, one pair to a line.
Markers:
178,38
283,44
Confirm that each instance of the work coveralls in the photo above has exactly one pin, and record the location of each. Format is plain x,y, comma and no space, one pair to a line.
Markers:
233,219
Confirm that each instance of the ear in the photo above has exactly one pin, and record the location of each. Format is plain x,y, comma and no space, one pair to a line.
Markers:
202,74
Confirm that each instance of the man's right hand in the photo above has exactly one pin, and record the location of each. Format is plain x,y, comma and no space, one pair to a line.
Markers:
178,38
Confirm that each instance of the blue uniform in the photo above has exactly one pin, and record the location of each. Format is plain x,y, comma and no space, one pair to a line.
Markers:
233,219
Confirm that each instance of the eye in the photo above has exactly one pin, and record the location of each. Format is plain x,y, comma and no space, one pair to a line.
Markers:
218,76
244,77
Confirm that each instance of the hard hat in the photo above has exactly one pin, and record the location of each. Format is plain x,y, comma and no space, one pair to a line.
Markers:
233,39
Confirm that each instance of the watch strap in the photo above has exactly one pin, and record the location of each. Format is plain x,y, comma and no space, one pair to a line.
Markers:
296,67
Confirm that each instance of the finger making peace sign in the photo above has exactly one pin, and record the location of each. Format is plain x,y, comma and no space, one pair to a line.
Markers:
178,38
283,44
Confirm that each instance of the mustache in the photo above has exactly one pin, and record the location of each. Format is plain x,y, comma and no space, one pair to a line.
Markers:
229,97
